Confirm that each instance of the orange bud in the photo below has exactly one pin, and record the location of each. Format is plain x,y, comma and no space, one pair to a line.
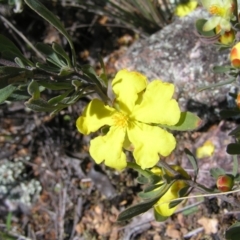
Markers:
235,56
238,100
225,183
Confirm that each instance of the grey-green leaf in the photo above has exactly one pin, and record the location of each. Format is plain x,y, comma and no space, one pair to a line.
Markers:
40,9
6,92
33,89
39,105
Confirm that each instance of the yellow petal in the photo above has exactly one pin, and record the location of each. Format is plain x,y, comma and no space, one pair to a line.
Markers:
127,86
149,142
109,148
184,9
172,193
94,116
157,105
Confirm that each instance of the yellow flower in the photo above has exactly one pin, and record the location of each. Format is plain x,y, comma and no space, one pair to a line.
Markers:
184,9
162,206
222,11
206,150
137,106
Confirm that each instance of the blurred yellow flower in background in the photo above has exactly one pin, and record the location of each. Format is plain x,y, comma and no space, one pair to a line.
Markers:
206,150
137,108
222,11
184,9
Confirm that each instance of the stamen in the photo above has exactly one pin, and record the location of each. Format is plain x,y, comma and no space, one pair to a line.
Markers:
216,10
120,120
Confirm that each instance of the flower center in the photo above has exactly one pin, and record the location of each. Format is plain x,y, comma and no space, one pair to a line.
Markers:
216,10
120,120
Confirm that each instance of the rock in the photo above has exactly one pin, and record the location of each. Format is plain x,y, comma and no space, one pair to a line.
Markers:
175,54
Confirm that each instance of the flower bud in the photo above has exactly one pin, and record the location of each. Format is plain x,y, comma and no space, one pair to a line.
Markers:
238,100
235,56
227,38
225,183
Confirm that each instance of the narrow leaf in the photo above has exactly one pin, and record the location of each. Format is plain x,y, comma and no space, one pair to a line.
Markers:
58,98
233,148
59,49
39,105
216,172
52,56
222,69
6,92
33,89
55,85
193,161
40,9
136,210
235,166
233,232
231,80
230,113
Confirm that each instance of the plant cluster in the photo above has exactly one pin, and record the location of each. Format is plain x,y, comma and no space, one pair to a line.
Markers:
133,114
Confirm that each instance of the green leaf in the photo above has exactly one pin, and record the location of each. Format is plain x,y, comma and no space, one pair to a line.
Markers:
158,217
137,209
72,99
103,75
193,161
77,84
47,68
56,85
52,57
142,179
230,113
40,9
216,172
222,69
58,49
18,95
39,105
188,121
233,232
152,187
233,148
235,166
10,51
199,26
150,192
6,92
143,206
65,71
11,75
231,80
90,72
33,89
58,98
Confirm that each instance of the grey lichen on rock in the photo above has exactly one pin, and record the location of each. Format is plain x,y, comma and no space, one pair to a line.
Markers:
175,54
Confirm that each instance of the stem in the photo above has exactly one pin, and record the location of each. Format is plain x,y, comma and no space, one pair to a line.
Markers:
138,169
164,165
